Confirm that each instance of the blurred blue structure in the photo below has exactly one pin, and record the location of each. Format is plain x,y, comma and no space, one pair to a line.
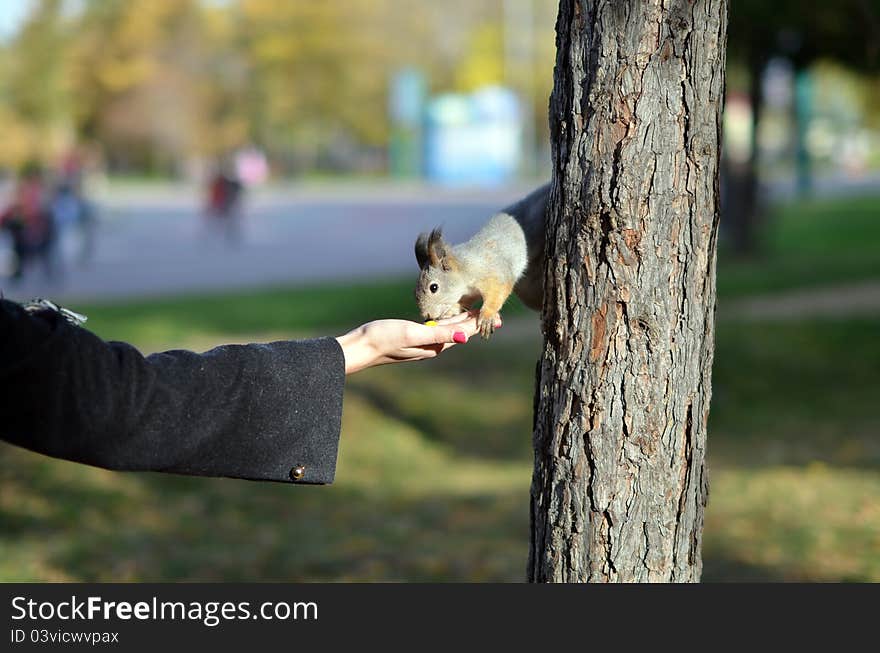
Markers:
406,106
803,106
474,139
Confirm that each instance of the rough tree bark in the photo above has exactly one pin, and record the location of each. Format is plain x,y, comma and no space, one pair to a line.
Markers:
624,381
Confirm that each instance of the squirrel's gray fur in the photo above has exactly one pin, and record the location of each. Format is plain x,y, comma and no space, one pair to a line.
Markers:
507,252
530,214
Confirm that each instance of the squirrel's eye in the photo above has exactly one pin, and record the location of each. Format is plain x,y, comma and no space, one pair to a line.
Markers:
433,287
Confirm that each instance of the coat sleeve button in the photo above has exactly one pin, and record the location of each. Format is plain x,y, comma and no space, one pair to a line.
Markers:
298,472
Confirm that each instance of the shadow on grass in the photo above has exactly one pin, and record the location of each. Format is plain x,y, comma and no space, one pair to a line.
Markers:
783,394
61,521
477,401
796,393
721,569
77,523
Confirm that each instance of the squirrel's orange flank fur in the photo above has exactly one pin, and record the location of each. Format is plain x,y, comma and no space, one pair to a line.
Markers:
505,255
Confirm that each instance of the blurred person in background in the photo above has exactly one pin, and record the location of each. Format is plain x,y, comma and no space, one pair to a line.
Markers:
223,208
71,208
31,224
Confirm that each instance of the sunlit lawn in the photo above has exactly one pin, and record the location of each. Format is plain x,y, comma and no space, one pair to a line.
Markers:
435,461
809,243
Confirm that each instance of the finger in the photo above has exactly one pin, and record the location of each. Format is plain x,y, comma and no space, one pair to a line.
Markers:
430,351
421,352
455,319
464,317
456,333
419,335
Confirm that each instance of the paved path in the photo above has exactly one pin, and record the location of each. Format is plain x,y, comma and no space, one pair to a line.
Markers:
858,299
155,242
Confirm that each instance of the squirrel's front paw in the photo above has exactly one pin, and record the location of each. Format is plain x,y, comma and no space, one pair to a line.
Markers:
486,325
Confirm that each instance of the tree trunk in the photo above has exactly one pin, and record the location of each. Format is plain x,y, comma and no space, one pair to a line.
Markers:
624,381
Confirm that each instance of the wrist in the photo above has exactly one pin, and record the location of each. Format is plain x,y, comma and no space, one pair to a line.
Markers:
356,350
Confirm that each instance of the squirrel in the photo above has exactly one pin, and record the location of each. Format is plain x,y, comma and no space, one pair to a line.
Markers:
506,255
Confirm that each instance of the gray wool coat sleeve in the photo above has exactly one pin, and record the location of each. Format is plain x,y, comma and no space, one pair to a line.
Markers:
260,411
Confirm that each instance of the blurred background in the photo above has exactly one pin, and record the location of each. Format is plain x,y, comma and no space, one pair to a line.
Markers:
196,172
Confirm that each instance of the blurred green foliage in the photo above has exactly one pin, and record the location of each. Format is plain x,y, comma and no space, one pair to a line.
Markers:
806,30
151,85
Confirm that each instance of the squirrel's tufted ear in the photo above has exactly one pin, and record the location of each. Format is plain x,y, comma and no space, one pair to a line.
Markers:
432,250
422,251
438,251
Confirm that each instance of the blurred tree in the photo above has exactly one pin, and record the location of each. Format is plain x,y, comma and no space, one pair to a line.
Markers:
802,31
319,74
483,62
33,90
155,83
624,381
132,66
221,85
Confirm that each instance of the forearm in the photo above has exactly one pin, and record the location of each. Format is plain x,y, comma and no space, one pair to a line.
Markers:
250,411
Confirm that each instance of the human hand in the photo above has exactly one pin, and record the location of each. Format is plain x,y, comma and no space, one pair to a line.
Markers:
397,341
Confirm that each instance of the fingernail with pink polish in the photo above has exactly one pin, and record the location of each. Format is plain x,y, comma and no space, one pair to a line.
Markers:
459,337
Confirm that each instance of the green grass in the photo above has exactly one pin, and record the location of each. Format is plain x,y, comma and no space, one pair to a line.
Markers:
435,458
813,385
434,471
325,307
274,312
808,243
